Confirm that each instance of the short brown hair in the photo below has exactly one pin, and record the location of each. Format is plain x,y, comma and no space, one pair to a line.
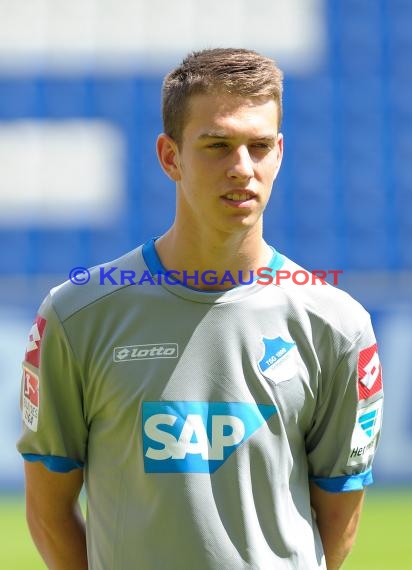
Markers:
230,70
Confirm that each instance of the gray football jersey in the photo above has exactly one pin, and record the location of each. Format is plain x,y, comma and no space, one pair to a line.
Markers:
200,417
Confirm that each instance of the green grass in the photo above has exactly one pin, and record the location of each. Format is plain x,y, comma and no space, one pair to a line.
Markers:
17,551
384,540
385,534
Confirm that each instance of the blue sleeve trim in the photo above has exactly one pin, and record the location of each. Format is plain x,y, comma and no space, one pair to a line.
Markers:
345,483
54,462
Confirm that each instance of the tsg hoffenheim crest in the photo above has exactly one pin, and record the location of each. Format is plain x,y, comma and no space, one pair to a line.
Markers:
279,359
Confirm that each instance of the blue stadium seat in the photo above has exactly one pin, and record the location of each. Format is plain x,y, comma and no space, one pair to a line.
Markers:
318,250
117,99
400,27
368,250
405,249
399,8
150,96
399,94
357,38
312,208
402,198
310,96
157,202
66,97
364,210
109,244
57,251
358,11
17,97
14,251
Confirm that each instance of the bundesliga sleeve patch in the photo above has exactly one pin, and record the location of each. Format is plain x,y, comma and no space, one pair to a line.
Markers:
33,346
369,373
30,399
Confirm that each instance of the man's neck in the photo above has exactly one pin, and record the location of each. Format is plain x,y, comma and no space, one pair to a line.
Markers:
219,253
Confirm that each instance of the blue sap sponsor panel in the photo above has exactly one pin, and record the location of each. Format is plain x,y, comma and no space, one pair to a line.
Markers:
197,437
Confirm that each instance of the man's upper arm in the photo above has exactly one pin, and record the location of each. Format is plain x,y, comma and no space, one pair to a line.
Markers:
54,516
49,494
342,509
337,517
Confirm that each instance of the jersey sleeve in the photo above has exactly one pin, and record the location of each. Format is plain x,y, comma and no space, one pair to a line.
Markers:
54,426
342,441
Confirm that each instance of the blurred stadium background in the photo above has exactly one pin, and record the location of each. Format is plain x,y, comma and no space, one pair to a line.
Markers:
80,184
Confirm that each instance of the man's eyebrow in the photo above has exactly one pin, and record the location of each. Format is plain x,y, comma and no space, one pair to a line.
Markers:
214,135
220,135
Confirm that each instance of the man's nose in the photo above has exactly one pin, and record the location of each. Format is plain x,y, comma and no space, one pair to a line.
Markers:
241,165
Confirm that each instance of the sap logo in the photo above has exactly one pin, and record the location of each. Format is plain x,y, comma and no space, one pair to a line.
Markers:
197,437
145,351
276,364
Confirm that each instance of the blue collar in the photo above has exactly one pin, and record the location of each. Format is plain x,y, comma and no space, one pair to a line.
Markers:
156,267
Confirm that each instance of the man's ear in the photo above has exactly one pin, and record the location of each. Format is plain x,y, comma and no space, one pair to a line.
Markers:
168,155
279,152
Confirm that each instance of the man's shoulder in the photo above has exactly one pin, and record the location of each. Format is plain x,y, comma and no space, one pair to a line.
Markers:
326,303
87,286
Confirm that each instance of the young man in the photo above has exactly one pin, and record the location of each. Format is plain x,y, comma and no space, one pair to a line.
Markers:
217,425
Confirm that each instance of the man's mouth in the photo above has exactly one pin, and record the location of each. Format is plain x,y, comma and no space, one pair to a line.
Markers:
239,196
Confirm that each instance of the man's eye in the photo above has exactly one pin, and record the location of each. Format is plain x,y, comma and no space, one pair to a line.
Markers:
263,146
218,145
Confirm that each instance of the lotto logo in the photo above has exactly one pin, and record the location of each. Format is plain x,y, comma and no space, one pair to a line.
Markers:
196,437
369,372
145,351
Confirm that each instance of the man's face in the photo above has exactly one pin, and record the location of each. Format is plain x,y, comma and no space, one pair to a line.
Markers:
226,164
